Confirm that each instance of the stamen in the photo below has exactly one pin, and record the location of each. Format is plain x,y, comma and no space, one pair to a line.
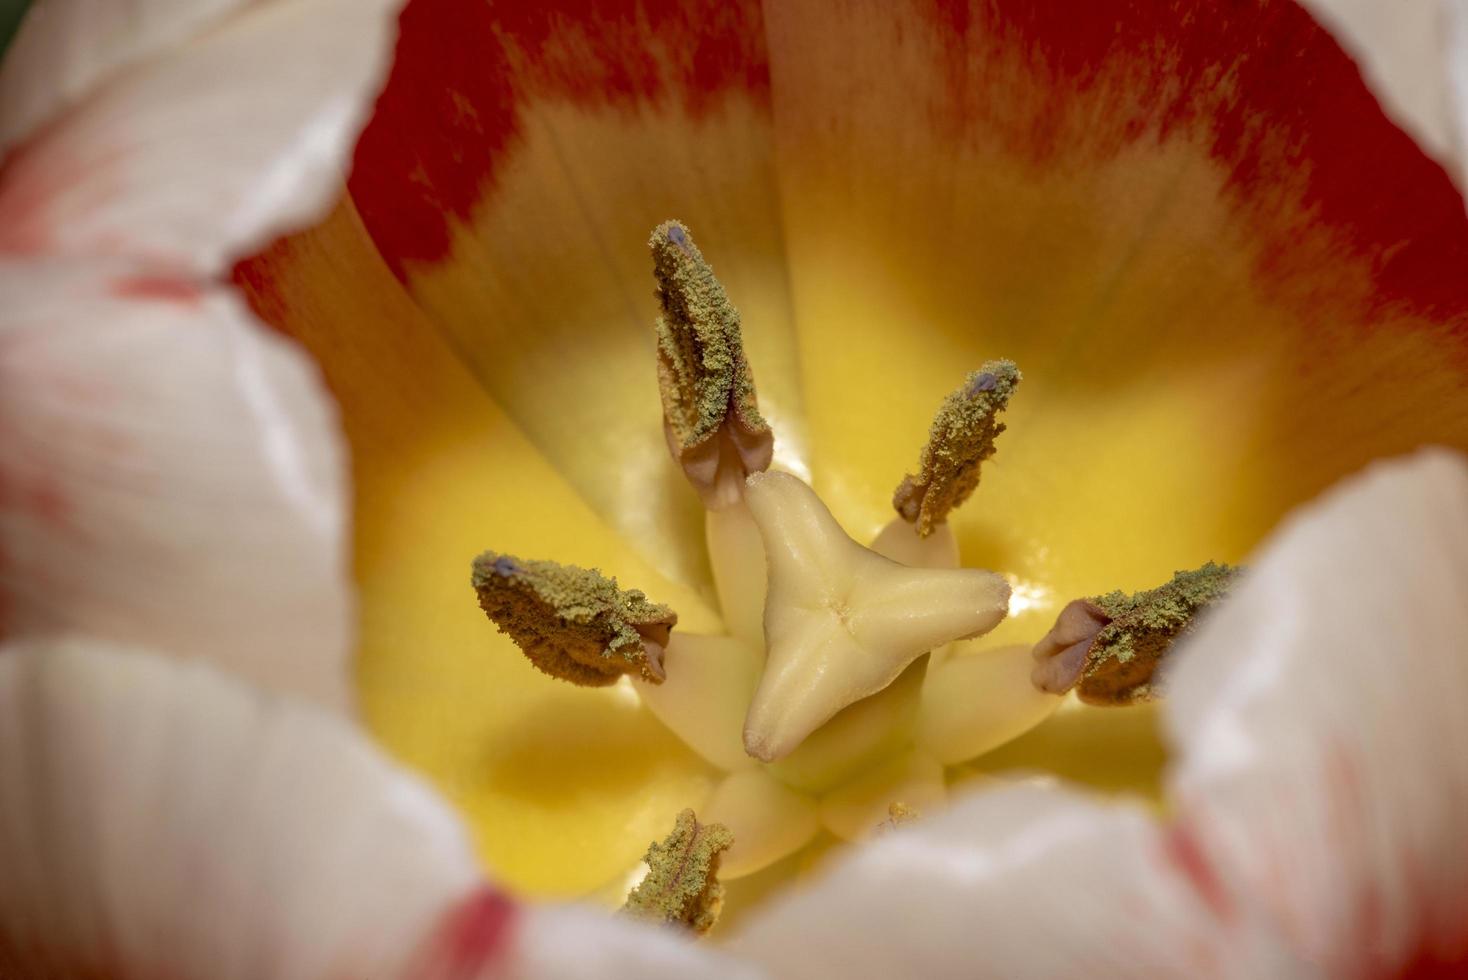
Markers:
574,623
1109,647
961,438
710,417
682,885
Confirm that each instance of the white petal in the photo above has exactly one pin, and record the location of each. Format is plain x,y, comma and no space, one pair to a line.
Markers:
703,699
768,819
977,699
1321,716
1019,882
211,148
63,47
1407,53
170,476
161,820
569,943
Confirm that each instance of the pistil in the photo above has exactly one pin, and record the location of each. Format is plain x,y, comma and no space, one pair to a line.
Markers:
574,623
842,622
1109,648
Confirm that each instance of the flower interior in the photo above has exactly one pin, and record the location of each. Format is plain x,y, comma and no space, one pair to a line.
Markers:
1227,279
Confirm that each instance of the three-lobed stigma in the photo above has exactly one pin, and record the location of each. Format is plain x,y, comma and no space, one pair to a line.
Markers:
841,621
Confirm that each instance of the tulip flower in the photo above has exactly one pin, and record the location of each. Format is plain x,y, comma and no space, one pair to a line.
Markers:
255,422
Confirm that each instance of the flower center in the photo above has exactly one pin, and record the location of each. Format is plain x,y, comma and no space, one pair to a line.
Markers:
840,608
840,666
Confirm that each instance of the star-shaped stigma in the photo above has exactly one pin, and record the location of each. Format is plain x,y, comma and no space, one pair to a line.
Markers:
841,621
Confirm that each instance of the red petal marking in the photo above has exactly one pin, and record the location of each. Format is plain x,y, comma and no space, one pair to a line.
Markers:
471,937
1293,102
256,276
40,496
161,288
451,109
28,484
1184,853
1348,808
32,489
1447,956
25,196
1347,826
1277,95
31,494
33,176
1429,965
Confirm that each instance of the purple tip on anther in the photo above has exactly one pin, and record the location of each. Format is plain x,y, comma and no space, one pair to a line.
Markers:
984,382
505,567
679,237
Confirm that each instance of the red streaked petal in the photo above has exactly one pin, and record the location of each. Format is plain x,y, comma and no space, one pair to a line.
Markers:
170,475
1320,720
209,150
469,939
162,821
